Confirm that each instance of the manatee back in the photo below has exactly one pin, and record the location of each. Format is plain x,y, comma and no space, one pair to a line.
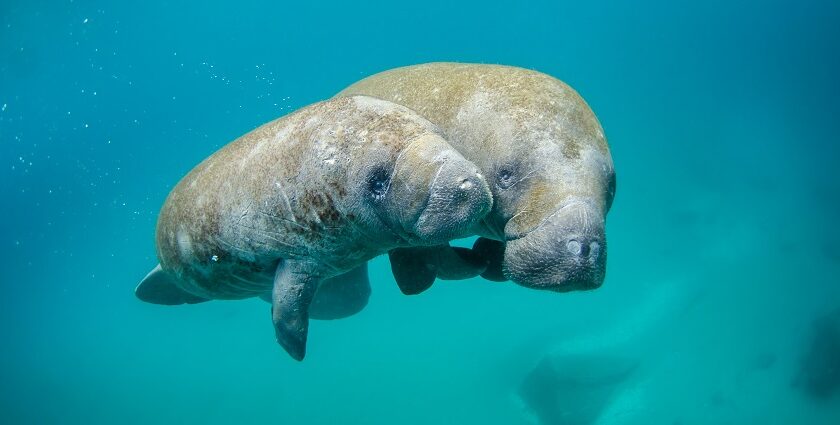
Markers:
485,108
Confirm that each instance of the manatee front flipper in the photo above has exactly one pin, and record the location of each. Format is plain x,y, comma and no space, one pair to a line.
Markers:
456,263
493,253
415,269
295,284
158,287
411,270
341,296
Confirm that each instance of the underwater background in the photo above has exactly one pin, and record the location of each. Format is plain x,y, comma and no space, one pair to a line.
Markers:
722,117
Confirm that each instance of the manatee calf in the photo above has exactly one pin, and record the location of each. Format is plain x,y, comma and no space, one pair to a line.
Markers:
309,198
546,159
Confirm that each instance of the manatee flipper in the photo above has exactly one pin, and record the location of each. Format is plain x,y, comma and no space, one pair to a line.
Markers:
456,263
493,253
413,273
159,287
415,269
294,288
341,296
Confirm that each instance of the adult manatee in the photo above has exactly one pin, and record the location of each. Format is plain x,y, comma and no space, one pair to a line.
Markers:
311,196
546,159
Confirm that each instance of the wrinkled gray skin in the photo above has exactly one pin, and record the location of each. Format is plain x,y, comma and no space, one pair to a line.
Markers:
309,198
544,154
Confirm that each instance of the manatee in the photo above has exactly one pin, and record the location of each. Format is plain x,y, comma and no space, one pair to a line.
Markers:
310,198
819,366
545,156
584,375
574,390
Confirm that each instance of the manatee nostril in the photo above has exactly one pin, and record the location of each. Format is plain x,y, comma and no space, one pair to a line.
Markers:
584,249
466,184
594,251
574,247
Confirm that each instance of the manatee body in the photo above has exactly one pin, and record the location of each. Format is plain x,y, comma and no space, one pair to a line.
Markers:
310,198
545,157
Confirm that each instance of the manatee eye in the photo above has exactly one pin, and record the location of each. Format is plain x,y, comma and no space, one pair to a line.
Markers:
378,183
504,178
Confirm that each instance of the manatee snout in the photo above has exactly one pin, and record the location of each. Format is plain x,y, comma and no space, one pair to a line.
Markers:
459,198
566,253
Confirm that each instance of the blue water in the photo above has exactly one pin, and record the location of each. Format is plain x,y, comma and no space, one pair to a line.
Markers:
723,122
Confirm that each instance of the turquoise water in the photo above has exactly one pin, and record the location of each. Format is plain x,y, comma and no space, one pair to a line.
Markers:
723,122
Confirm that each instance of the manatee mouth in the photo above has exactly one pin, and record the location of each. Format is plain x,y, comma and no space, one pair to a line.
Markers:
583,205
566,252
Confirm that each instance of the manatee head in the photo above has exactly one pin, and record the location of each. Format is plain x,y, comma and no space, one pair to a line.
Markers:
552,192
417,185
565,249
433,194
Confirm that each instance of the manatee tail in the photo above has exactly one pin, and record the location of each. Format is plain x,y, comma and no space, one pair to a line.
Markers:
158,287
